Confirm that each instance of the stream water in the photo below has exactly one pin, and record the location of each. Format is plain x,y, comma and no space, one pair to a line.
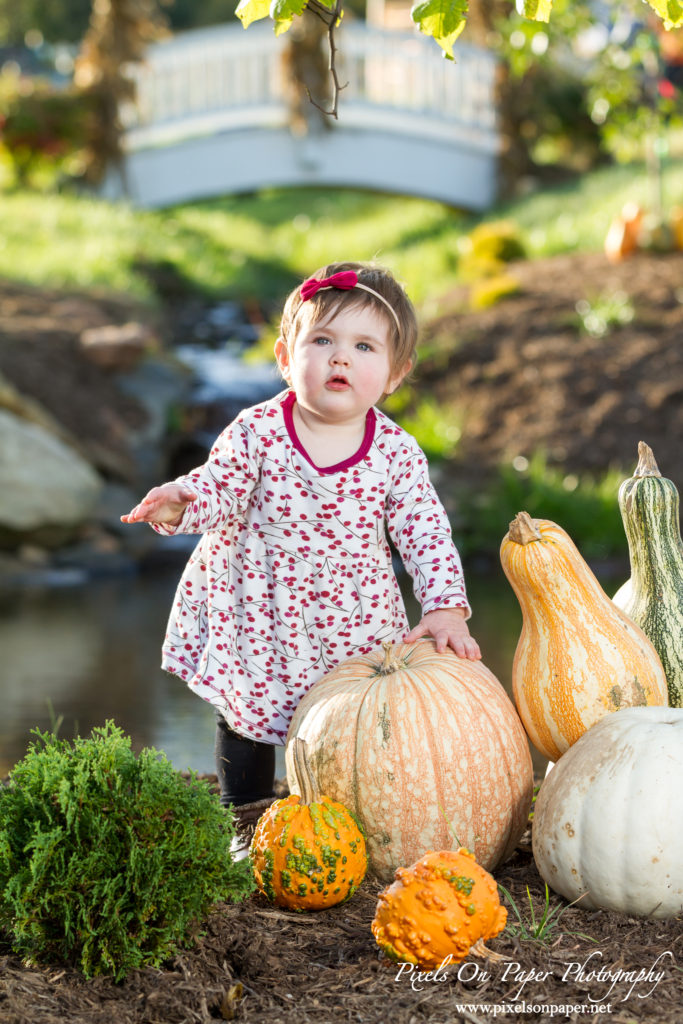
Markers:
91,652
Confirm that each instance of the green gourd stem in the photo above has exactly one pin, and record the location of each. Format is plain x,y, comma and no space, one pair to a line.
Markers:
523,530
308,789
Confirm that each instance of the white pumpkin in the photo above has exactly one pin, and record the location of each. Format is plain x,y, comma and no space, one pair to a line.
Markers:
608,821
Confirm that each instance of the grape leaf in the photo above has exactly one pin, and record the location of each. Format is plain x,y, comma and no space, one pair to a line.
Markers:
535,10
444,20
252,10
670,11
282,12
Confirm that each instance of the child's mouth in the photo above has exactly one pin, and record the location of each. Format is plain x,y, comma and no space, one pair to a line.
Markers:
337,384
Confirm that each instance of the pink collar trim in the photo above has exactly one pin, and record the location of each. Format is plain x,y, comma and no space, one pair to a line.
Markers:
370,420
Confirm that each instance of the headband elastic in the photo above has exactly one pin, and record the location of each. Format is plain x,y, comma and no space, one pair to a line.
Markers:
344,280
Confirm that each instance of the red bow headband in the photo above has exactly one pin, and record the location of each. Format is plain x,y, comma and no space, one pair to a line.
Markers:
344,280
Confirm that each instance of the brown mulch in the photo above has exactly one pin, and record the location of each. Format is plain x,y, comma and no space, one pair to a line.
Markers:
257,963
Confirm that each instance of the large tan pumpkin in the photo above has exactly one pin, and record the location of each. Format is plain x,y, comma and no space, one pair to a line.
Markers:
426,749
578,657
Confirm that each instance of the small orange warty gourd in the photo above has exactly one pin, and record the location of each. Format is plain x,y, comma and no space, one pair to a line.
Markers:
578,657
442,906
307,852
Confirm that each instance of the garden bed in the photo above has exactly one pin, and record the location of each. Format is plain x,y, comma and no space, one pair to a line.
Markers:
254,962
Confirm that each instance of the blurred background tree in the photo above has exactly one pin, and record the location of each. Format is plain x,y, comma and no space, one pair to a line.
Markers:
581,89
117,35
66,21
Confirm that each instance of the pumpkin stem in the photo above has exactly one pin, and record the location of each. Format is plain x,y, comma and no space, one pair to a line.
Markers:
308,789
391,663
646,461
523,530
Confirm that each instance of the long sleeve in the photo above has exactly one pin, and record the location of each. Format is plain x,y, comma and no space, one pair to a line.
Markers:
419,527
224,483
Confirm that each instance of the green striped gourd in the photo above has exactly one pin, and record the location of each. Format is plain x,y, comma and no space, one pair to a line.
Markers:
653,597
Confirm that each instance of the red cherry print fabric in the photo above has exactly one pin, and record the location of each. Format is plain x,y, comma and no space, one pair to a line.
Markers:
293,573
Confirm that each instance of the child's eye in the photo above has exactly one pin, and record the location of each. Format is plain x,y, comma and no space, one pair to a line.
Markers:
364,347
321,339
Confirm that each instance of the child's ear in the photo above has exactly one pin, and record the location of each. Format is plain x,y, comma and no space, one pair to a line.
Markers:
282,356
396,378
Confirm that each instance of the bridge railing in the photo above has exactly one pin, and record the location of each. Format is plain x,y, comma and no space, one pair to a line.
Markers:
225,77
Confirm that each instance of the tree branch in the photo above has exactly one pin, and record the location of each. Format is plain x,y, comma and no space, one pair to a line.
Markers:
330,17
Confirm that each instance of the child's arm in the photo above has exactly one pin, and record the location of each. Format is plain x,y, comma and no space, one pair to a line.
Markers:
449,629
209,497
420,529
163,506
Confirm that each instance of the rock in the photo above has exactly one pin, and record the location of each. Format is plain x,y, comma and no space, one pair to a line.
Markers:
161,385
27,408
118,347
44,484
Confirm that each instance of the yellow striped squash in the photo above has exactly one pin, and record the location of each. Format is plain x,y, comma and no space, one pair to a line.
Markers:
578,656
425,749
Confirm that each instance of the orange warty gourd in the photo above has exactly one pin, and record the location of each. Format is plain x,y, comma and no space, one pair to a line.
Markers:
308,852
444,905
578,657
422,747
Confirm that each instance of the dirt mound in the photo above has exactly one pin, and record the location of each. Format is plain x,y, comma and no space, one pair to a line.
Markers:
523,376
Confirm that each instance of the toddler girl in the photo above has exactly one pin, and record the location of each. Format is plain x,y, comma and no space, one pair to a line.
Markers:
293,573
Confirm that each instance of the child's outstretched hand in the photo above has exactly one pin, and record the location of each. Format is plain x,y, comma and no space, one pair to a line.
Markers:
162,505
449,629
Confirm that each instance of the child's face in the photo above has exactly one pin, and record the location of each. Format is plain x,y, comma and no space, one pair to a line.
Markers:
340,366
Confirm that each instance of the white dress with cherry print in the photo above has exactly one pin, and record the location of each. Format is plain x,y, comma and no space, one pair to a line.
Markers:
293,573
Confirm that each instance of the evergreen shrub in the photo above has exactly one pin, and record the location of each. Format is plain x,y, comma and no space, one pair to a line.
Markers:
109,861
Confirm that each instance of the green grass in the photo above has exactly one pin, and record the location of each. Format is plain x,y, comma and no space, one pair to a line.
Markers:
259,245
539,926
585,507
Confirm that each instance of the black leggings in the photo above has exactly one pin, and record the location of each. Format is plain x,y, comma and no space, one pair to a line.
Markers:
245,768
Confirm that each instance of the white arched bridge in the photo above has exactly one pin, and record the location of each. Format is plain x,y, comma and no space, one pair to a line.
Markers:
210,118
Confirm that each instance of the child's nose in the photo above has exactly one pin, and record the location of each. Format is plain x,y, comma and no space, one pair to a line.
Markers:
340,355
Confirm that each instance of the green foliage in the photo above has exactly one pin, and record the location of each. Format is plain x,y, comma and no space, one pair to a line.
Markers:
436,432
108,860
489,291
599,316
66,21
535,10
485,250
573,105
670,11
497,240
540,927
258,246
41,126
444,20
586,508
59,21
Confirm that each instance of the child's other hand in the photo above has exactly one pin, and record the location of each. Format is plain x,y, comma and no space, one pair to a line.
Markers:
449,629
163,505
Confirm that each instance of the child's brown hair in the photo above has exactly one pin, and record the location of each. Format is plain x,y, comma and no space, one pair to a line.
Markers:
403,335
